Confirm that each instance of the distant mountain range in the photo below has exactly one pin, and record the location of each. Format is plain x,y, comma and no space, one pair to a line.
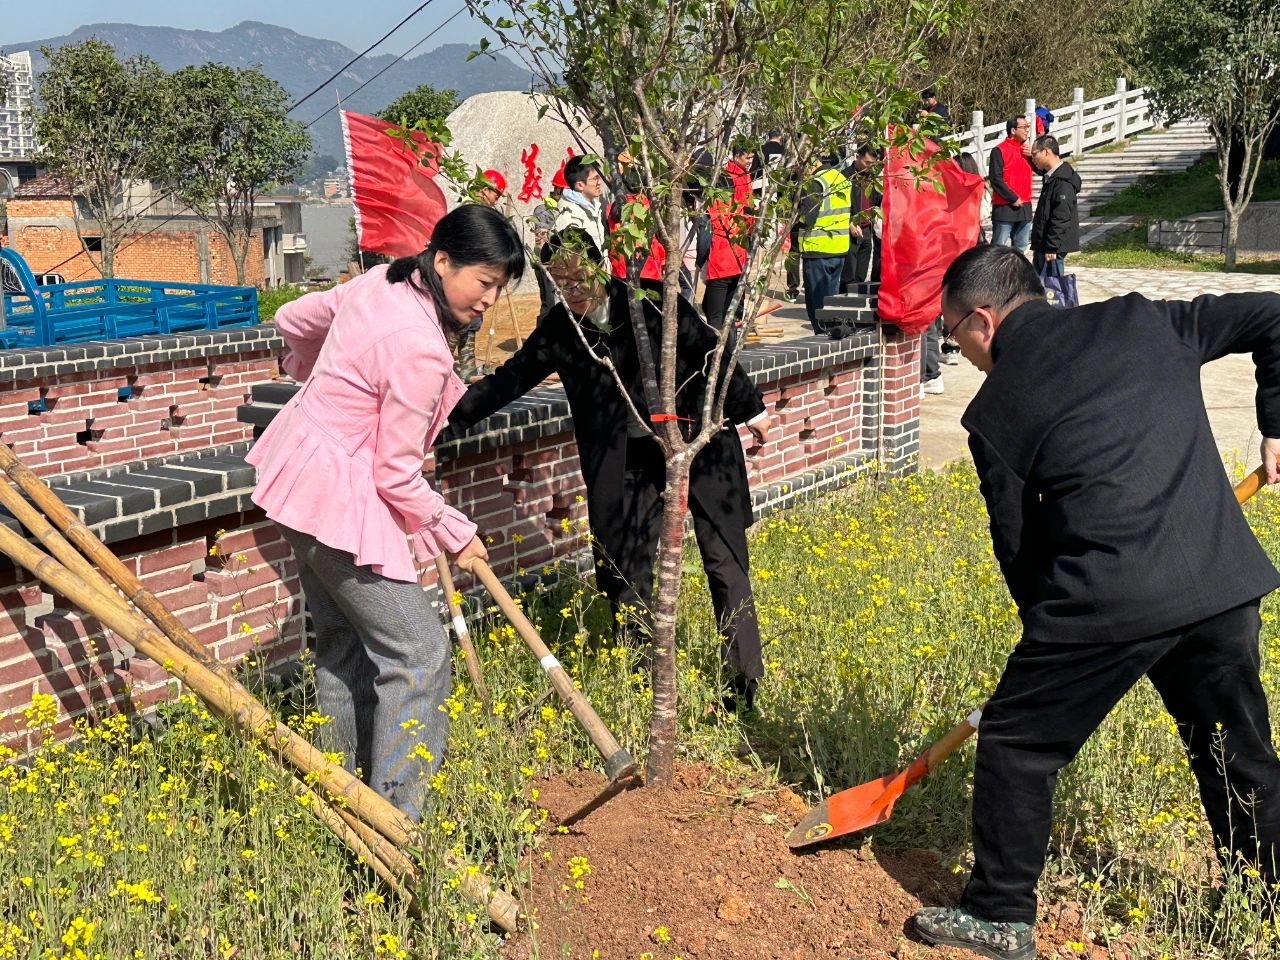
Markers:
300,63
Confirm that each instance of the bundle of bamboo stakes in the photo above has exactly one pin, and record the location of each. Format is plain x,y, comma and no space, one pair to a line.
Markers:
365,822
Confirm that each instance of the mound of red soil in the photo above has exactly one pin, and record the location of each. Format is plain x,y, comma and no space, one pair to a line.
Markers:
702,870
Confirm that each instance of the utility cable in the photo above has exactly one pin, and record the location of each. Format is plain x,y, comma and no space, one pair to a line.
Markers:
456,14
160,199
360,55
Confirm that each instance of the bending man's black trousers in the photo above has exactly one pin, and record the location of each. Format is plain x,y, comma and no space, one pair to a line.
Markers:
724,558
1053,695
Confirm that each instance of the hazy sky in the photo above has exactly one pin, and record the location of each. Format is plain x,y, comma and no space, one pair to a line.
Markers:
356,25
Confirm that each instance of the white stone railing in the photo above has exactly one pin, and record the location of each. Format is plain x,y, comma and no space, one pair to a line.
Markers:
1081,125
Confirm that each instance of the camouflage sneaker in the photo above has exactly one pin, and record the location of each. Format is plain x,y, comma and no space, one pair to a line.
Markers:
953,927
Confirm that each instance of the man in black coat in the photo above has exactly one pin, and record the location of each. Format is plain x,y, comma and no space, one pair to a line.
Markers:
623,467
1117,532
1055,229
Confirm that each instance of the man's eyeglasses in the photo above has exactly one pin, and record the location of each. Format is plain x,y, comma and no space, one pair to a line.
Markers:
948,334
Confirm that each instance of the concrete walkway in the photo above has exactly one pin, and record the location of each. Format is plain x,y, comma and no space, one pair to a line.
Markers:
1228,383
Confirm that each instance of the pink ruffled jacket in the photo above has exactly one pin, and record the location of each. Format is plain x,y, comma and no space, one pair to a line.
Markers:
343,460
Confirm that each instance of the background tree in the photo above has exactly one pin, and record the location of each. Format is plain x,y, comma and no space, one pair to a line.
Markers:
1003,51
1218,61
229,137
422,103
319,166
668,82
98,123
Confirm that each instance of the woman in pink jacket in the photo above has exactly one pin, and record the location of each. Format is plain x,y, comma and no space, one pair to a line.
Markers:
340,471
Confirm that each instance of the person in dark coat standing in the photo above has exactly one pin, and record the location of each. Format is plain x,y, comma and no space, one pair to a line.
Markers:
623,467
1055,230
929,104
1122,544
1009,170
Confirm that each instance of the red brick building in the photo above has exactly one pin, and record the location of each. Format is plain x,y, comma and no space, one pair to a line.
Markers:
171,243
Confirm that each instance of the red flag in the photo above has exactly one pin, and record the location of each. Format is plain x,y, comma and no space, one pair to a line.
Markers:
923,231
393,187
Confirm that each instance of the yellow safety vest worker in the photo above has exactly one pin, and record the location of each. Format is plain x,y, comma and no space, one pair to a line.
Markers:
829,234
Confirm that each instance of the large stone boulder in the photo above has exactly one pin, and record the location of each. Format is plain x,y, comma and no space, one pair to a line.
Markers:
491,130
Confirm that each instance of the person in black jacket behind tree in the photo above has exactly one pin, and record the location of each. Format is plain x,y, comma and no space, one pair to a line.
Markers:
623,467
1116,529
1055,229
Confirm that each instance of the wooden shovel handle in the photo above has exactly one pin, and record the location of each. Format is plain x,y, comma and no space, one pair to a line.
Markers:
951,740
1251,484
614,756
445,581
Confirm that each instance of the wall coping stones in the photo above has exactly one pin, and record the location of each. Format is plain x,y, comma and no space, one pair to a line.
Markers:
545,410
149,496
96,355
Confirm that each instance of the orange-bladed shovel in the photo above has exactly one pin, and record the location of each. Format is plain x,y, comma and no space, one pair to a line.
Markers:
870,804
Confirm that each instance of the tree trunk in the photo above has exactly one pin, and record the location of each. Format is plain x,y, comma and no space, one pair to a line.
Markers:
660,768
240,253
1232,239
107,258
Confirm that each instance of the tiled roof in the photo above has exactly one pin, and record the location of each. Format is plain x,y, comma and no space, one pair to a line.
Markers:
48,185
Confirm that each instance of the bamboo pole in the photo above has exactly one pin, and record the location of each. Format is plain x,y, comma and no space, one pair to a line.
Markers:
347,833
511,312
339,782
234,704
193,657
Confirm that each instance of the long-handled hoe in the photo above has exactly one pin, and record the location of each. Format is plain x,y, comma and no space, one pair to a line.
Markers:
444,579
870,804
618,765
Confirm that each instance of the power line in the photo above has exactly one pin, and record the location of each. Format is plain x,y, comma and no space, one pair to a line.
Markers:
160,199
360,55
352,93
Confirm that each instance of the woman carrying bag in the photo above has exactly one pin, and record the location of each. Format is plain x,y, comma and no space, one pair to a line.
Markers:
340,471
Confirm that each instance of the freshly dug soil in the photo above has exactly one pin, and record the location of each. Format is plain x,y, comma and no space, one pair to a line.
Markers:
703,871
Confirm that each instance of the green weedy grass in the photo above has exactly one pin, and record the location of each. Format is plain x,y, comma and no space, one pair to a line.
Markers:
885,621
1168,197
273,298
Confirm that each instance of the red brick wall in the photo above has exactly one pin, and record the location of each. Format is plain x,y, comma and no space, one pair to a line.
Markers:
244,599
168,253
177,406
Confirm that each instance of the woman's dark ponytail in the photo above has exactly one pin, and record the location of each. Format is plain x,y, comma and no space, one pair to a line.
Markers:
469,234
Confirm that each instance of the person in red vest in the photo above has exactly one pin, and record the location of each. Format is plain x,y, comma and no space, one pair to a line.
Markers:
651,269
490,195
738,170
544,219
730,224
1010,173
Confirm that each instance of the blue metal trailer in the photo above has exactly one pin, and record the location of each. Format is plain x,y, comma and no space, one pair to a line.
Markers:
40,315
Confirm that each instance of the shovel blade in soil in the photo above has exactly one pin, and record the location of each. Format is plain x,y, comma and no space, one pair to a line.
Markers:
623,780
849,811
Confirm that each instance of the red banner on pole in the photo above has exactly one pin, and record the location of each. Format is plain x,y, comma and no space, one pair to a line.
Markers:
923,231
393,186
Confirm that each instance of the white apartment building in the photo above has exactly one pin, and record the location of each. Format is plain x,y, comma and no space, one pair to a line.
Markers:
17,127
